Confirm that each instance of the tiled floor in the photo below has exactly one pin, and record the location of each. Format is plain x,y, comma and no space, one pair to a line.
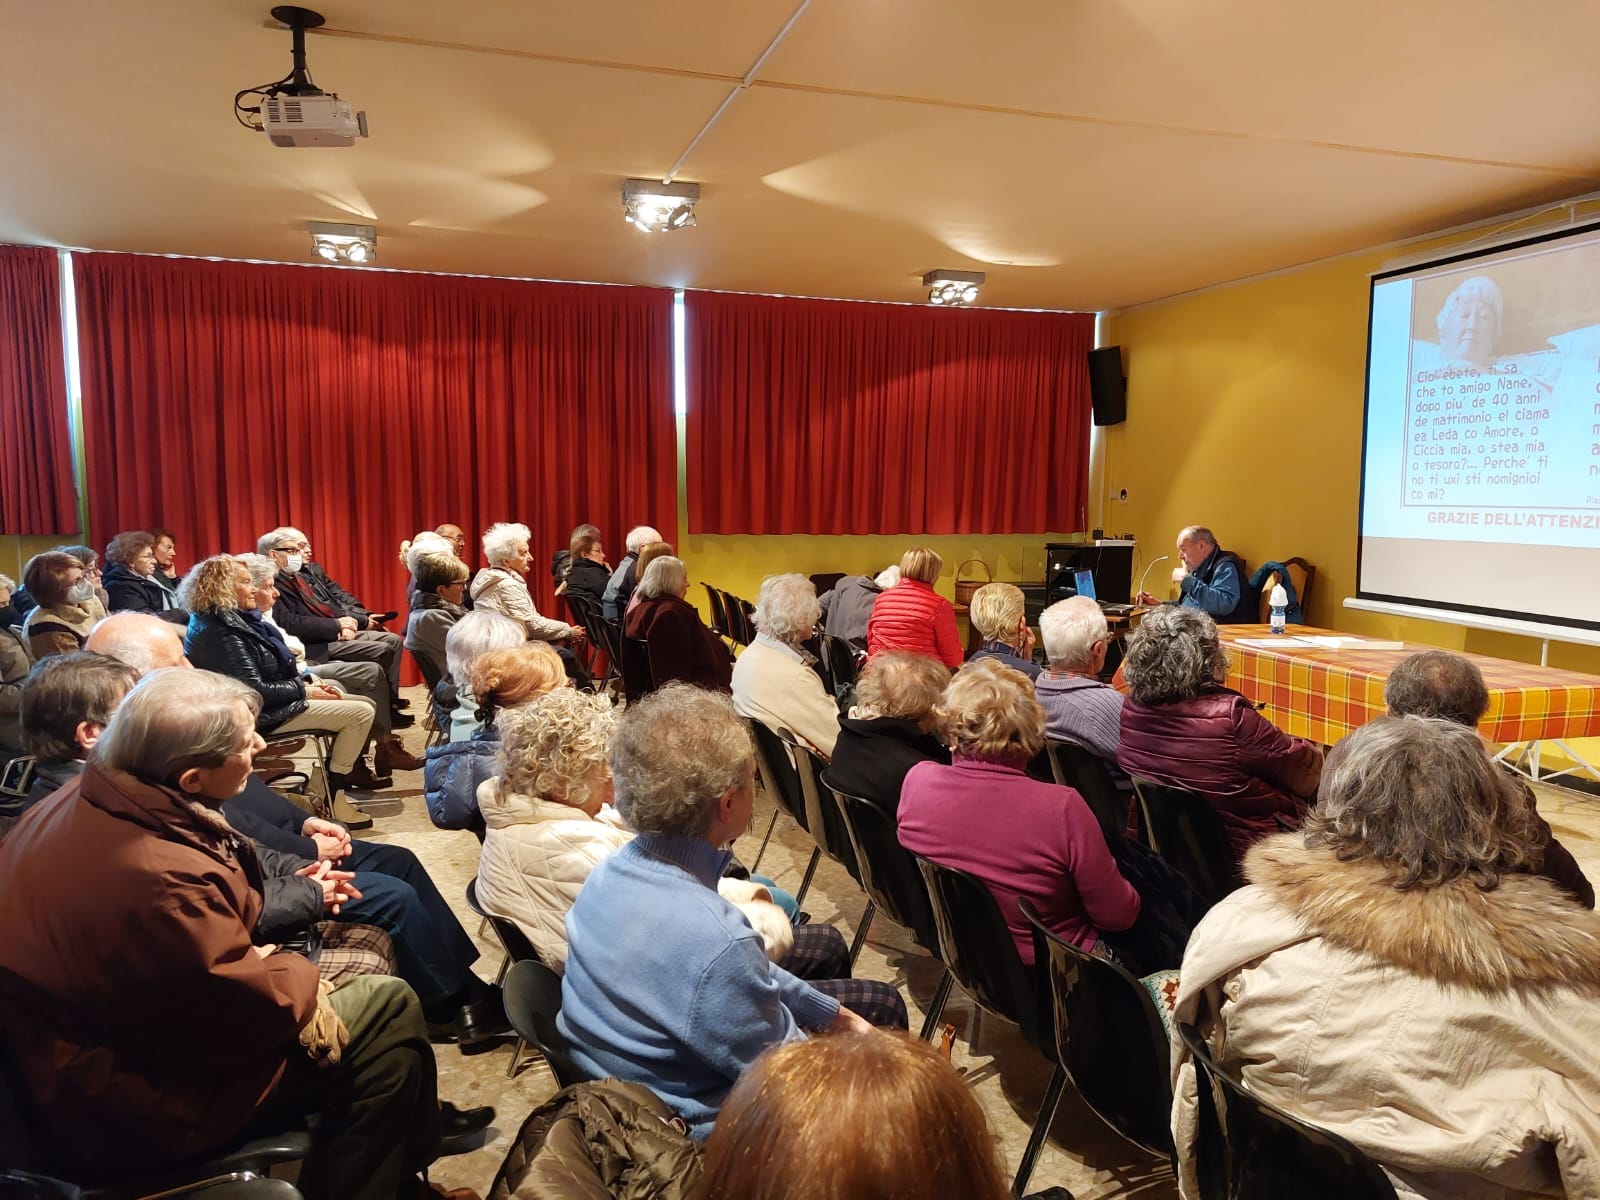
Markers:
1006,1074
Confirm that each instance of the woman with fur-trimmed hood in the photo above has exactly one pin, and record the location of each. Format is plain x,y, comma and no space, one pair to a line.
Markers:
1395,976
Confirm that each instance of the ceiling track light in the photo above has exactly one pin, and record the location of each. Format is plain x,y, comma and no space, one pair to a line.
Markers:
953,288
659,207
337,243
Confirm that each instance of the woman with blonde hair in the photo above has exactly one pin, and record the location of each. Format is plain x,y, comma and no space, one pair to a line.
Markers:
227,635
896,1118
999,613
890,729
911,616
1023,838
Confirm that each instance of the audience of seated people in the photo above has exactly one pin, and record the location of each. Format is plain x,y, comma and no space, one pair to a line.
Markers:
586,570
551,821
619,588
873,1116
1023,838
680,647
847,605
773,681
227,635
685,1001
1078,707
432,951
70,700
1395,973
65,604
130,581
891,728
331,622
999,613
912,616
499,680
1182,727
137,1053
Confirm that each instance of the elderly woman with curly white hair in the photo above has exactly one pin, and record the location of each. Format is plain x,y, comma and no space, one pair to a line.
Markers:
773,680
502,586
1391,973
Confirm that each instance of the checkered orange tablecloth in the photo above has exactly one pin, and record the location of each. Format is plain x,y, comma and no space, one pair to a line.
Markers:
1324,694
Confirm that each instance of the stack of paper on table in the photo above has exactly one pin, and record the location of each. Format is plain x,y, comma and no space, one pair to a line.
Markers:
1306,641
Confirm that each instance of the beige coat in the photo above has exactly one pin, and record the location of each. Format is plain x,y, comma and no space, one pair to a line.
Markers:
1452,1034
774,686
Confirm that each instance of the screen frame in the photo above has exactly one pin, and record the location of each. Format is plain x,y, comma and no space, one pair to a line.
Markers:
1412,269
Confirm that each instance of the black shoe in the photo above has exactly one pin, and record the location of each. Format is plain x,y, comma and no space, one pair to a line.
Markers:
400,720
454,1122
481,1022
401,702
443,1032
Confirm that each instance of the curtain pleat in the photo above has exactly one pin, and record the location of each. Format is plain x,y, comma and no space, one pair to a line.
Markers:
36,489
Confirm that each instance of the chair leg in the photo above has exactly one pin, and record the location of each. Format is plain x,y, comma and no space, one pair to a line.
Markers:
757,864
811,869
941,997
861,931
505,967
516,1057
1041,1127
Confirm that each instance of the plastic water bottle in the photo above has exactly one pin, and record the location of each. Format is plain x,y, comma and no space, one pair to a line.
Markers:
1280,608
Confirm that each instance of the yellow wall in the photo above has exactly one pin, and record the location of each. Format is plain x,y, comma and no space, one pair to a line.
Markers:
1244,414
16,550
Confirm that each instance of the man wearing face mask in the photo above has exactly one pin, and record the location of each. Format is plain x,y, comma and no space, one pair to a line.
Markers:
329,620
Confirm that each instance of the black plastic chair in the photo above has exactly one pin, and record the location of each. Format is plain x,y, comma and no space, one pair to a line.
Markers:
825,821
975,943
433,673
638,680
1109,1040
518,949
782,783
533,1001
719,611
1086,773
841,659
1249,1149
1187,832
891,880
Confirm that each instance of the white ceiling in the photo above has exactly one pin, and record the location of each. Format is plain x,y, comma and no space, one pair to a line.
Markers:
1087,154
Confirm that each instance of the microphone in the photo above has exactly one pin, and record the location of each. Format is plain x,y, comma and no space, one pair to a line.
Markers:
1140,591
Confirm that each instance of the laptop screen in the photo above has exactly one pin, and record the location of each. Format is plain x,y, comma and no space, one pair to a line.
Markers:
1085,583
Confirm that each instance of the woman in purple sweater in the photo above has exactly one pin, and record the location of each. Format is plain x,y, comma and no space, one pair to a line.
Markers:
983,814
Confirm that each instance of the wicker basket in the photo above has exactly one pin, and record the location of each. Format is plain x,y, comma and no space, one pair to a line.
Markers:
965,588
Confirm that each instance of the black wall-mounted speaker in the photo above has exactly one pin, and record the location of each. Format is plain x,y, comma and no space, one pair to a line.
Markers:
1107,387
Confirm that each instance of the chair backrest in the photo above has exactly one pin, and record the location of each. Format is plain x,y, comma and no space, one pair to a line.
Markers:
1109,1038
1301,574
533,1001
739,627
1250,1149
826,581
975,943
579,607
824,820
432,669
513,939
841,659
778,775
889,872
1187,832
638,680
719,611
1086,773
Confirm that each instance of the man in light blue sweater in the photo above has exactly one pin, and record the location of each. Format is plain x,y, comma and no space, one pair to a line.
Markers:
666,983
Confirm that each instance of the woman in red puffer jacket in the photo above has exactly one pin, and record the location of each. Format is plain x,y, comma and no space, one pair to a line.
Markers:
911,616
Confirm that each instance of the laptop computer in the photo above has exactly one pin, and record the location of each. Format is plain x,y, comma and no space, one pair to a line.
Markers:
1084,582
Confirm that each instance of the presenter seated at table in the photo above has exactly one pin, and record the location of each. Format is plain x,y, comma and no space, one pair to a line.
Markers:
1211,579
1181,727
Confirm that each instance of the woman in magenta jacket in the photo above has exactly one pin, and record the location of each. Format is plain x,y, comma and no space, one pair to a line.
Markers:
1182,728
911,616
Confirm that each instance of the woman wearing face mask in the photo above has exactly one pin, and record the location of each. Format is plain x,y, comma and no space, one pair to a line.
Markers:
67,605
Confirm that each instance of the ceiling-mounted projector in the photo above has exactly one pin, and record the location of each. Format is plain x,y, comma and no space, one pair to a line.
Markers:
294,111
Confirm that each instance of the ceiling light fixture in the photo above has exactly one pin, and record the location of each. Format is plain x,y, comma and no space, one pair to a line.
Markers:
953,287
659,207
343,243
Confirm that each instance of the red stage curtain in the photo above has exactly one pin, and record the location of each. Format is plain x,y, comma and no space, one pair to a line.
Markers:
222,399
36,491
823,416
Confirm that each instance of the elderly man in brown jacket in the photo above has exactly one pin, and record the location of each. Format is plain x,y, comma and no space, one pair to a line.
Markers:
140,1024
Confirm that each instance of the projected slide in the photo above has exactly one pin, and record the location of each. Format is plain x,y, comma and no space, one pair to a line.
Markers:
1483,427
